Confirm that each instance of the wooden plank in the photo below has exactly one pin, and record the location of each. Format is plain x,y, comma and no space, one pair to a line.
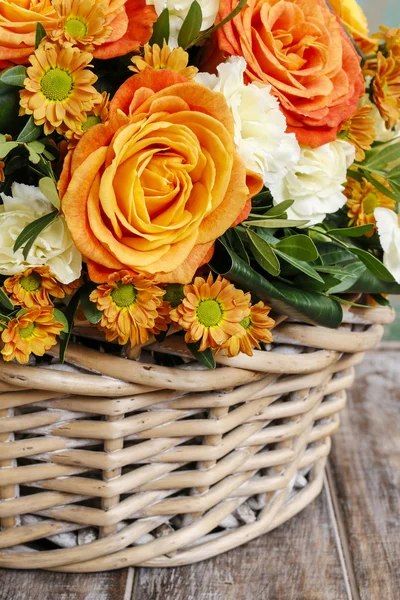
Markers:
297,561
365,463
39,585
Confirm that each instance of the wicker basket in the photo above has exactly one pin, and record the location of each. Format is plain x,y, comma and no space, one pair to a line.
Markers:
138,464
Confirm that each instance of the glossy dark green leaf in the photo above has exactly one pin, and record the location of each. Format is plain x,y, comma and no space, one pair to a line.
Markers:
310,307
161,29
205,358
301,265
381,300
90,310
299,246
373,264
367,283
28,235
70,315
30,132
191,25
279,209
264,253
14,76
5,300
40,34
352,231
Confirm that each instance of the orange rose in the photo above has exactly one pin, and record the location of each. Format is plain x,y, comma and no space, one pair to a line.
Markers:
131,23
154,187
300,48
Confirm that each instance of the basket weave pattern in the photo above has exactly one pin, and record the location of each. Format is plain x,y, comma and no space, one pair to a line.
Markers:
122,463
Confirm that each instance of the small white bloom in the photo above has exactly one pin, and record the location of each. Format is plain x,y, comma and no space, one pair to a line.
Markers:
53,247
259,124
389,234
315,183
178,11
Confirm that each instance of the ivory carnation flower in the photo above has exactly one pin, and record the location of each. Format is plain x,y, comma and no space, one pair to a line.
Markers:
127,25
387,222
301,49
317,182
152,189
259,124
178,11
53,247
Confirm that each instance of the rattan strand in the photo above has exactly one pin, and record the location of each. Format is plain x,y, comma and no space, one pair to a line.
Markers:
112,462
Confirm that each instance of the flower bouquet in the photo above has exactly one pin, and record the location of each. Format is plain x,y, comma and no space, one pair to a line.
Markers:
187,185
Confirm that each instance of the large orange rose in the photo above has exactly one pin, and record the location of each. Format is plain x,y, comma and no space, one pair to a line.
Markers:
154,187
131,22
300,48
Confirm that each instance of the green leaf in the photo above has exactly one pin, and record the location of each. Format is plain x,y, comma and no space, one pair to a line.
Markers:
394,173
381,300
70,314
90,310
299,246
161,29
310,307
30,132
348,278
48,189
231,15
6,147
31,231
191,25
263,253
373,264
36,146
14,76
279,209
300,265
333,254
381,188
40,34
352,231
61,318
367,283
34,157
205,358
380,157
5,300
275,223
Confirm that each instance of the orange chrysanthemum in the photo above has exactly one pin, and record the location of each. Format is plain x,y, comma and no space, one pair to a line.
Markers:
211,312
34,331
164,58
391,39
359,130
256,328
33,287
173,297
386,89
82,23
69,288
58,88
363,198
98,114
129,304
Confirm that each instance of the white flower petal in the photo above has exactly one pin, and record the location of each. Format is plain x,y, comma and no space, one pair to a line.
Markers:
389,235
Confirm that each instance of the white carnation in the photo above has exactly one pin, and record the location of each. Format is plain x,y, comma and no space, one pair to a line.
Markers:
178,11
53,247
389,234
259,124
316,182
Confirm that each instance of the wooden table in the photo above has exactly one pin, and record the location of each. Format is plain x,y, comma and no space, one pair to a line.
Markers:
346,545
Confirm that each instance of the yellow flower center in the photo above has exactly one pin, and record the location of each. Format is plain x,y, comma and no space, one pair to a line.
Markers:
90,121
174,294
370,202
56,84
27,331
209,313
31,283
246,323
76,28
124,295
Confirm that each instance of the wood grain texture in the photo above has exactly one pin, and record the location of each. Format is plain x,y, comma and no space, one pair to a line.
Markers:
297,561
38,585
365,463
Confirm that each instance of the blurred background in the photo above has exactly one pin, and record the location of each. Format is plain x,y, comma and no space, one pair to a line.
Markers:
381,12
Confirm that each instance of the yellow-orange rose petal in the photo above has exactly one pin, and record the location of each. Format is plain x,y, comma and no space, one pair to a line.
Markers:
129,304
211,312
58,88
35,332
33,287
